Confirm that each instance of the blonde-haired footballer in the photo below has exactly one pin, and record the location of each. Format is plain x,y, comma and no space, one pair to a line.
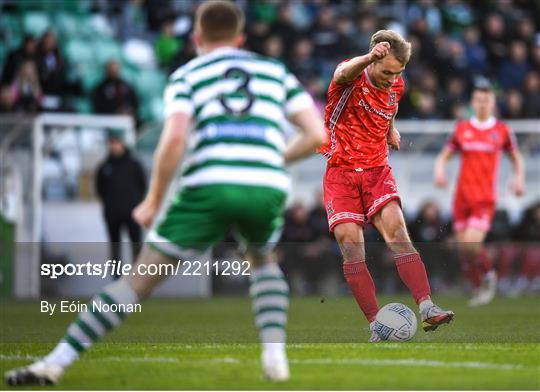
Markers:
359,186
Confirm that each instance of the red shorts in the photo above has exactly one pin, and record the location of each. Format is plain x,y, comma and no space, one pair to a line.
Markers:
472,214
356,195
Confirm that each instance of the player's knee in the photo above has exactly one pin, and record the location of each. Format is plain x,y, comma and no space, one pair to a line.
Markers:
347,233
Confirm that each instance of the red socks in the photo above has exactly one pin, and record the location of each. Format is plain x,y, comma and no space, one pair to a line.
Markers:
476,268
484,261
363,289
472,273
412,272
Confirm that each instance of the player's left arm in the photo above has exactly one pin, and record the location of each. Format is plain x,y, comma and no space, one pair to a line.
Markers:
166,158
518,166
518,182
393,137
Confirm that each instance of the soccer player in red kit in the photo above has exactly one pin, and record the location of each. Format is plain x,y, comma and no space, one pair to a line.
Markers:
358,184
480,142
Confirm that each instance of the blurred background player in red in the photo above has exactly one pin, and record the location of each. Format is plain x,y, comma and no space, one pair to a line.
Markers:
358,184
480,141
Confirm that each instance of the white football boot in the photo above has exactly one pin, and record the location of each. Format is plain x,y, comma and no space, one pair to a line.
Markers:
38,373
432,316
274,362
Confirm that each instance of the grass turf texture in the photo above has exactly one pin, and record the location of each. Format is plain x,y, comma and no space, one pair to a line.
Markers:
211,344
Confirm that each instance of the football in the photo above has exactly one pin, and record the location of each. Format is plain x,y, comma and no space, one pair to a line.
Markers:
395,322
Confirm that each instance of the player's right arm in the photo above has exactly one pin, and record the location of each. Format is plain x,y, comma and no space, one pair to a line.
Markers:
444,156
440,166
348,71
179,110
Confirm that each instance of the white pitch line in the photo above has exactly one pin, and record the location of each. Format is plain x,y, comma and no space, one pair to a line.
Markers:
407,362
415,346
322,361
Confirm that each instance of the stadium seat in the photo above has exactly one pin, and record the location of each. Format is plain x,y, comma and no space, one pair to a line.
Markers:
106,50
139,52
10,30
36,23
149,83
99,25
91,76
68,24
156,109
77,51
81,105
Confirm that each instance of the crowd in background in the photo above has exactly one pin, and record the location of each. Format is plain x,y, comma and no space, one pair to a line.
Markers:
453,42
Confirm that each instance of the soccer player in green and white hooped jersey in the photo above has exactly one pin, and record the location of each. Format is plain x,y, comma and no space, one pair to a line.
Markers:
233,178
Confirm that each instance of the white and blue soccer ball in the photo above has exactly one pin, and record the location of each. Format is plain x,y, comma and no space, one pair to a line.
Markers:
395,322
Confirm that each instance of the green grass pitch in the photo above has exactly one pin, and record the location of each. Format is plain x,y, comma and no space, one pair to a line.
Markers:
211,344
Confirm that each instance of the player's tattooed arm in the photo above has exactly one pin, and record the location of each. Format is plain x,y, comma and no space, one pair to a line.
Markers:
518,182
440,167
348,71
166,158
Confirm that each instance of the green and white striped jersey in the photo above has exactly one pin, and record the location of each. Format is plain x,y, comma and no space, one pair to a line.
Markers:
239,102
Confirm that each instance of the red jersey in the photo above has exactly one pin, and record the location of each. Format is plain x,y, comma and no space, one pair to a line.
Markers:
480,146
357,117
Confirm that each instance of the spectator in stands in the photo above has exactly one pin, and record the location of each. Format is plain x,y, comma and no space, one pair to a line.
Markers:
273,47
6,105
324,34
294,241
257,31
120,185
133,20
303,63
456,15
426,108
167,46
156,12
26,52
513,70
430,233
312,36
475,52
528,228
527,234
283,28
535,56
323,269
366,26
26,92
495,38
114,95
429,225
532,95
52,71
513,105
425,12
525,30
454,96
